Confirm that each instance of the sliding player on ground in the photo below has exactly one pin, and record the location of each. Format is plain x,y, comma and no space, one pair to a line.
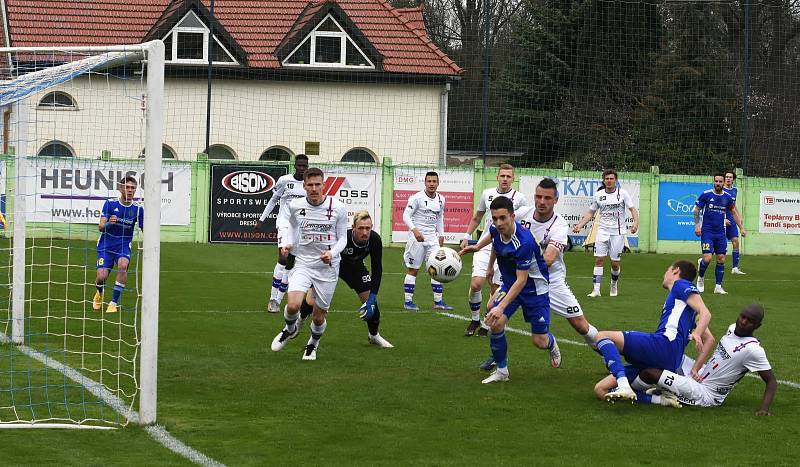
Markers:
424,216
362,241
612,202
117,224
684,317
737,353
505,179
525,284
731,230
287,188
317,235
714,204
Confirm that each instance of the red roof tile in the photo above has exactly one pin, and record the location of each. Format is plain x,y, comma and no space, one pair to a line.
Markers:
258,26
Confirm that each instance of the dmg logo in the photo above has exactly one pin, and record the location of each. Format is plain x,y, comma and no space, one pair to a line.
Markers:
245,182
683,205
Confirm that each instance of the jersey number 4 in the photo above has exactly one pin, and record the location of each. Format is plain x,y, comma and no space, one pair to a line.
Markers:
303,212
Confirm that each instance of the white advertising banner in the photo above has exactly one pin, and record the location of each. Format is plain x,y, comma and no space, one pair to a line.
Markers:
575,197
358,191
780,212
74,190
456,188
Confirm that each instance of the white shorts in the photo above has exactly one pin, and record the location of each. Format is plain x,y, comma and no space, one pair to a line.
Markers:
480,261
323,280
563,301
689,391
609,245
417,253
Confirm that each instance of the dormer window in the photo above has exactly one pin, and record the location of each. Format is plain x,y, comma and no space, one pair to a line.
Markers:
188,43
328,45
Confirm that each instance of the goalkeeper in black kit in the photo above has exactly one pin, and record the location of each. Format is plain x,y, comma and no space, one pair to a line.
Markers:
362,241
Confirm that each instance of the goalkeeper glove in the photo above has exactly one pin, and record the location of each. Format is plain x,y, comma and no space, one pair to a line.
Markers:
368,308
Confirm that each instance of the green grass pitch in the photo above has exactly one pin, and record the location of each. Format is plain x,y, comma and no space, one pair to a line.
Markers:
223,392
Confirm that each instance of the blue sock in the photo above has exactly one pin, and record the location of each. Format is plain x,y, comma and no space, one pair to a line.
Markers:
117,292
550,341
474,306
615,275
499,346
282,286
702,270
642,398
719,272
276,282
612,358
736,258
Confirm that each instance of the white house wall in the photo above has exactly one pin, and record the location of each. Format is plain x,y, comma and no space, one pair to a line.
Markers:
396,120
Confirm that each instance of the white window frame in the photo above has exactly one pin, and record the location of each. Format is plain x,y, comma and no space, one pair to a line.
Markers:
344,37
172,55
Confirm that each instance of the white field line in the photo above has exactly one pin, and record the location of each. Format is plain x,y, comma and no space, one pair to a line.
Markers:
158,433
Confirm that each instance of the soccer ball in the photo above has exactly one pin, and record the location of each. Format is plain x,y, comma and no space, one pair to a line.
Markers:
444,264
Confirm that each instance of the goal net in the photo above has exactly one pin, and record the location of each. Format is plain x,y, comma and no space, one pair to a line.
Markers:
78,330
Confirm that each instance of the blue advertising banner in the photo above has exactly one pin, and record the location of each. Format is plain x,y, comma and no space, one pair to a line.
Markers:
675,209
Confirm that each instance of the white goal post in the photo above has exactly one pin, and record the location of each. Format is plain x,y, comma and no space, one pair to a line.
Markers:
19,85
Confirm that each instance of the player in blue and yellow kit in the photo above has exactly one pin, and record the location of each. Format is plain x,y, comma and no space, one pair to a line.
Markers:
731,230
525,284
117,223
714,204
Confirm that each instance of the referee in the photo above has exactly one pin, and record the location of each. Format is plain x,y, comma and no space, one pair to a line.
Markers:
362,241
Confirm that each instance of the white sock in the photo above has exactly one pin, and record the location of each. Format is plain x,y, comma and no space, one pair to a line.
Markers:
408,285
291,320
277,274
591,336
316,332
475,298
597,271
639,385
437,288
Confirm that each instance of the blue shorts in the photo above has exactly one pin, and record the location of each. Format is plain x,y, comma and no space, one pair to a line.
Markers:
107,259
649,350
535,309
732,231
714,243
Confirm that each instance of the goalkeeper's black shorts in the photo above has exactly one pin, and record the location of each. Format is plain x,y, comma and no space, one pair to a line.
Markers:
355,276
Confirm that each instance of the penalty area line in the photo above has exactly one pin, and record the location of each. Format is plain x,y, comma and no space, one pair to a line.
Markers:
157,432
784,382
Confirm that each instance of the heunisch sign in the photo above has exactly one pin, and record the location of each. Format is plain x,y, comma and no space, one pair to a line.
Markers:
74,190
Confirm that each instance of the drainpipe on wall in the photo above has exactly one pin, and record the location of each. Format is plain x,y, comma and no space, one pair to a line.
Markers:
443,98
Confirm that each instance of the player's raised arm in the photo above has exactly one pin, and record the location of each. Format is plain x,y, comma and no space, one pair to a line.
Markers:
277,192
585,219
695,301
101,226
473,224
769,391
485,240
702,357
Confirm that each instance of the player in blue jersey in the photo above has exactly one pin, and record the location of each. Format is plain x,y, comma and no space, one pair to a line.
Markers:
731,230
684,317
117,223
525,283
714,205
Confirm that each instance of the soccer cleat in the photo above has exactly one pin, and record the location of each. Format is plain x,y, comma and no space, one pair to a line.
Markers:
719,290
496,377
441,305
595,293
738,271
410,306
488,364
473,326
97,301
555,355
669,399
614,290
112,307
310,352
273,306
621,394
483,331
283,338
378,340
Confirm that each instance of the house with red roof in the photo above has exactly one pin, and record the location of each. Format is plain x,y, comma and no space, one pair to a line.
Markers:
342,80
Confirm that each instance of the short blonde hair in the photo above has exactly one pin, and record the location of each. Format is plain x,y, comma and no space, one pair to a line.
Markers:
505,167
361,216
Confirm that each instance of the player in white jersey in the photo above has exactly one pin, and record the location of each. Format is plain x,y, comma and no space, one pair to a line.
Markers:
613,203
505,178
287,188
316,237
424,216
736,354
